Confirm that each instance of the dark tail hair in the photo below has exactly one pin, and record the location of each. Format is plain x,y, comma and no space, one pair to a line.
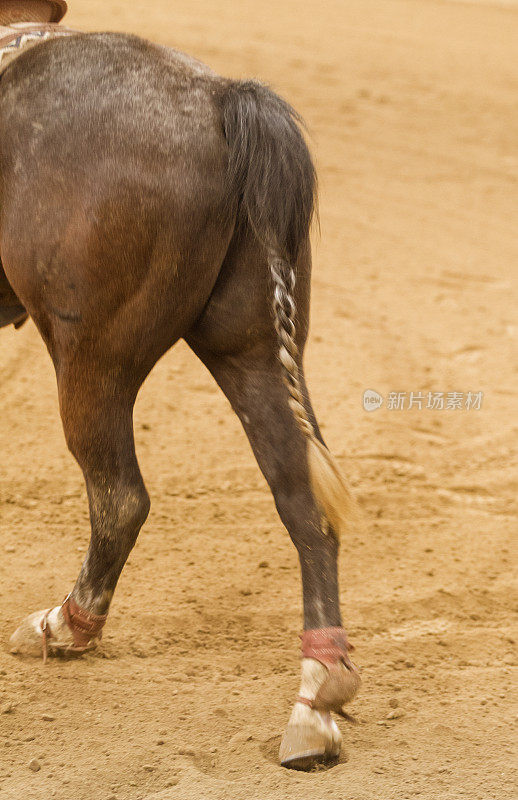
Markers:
270,169
271,175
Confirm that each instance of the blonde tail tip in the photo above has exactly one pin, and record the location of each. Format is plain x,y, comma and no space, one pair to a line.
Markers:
331,490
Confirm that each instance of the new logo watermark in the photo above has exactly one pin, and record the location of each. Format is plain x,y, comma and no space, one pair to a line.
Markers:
372,400
432,401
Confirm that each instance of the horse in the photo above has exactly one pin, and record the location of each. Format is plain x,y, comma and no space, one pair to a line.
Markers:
146,199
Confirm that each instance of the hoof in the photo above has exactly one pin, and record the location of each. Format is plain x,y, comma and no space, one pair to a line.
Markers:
305,746
312,736
27,640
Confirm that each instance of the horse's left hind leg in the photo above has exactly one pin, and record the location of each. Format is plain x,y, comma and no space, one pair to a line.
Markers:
96,410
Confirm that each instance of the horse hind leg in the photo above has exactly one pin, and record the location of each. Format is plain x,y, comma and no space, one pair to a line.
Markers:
101,359
97,420
107,318
236,340
255,388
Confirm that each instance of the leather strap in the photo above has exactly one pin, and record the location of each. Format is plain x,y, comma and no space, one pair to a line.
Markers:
305,700
46,633
327,645
84,625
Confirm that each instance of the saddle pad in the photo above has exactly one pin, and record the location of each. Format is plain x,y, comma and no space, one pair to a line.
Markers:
20,36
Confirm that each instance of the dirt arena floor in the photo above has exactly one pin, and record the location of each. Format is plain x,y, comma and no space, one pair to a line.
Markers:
411,108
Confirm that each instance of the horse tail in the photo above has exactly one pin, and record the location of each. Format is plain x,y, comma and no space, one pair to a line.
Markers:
272,177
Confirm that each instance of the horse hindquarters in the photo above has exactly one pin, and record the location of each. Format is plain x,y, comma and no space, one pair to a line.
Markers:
127,270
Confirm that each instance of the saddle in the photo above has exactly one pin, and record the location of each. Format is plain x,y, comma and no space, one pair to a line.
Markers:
24,24
31,11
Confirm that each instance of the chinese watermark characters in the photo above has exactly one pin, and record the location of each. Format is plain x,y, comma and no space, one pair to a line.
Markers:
431,401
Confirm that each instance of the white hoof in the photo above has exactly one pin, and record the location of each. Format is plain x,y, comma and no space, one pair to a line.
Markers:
315,738
312,736
27,640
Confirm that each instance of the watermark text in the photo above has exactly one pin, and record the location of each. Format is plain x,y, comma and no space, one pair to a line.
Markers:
431,401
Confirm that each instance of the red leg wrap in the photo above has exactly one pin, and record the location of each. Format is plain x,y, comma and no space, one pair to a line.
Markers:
84,625
327,645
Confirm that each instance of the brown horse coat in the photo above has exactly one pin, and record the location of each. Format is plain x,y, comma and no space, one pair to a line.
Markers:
145,199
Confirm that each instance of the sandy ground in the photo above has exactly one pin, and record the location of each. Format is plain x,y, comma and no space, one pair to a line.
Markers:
411,108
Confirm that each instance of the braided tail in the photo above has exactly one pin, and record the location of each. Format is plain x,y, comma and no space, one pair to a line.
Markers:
271,186
335,501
